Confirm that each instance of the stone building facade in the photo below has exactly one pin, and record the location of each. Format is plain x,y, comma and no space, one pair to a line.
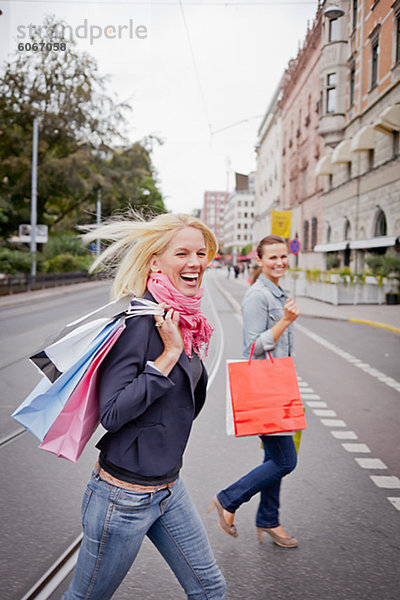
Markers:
360,124
213,212
302,145
268,173
239,215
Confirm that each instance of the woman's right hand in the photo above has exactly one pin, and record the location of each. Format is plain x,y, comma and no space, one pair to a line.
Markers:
168,328
292,311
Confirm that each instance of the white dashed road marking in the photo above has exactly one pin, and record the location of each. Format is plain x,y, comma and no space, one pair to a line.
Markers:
395,502
344,435
386,481
362,448
322,412
333,423
371,463
350,358
320,409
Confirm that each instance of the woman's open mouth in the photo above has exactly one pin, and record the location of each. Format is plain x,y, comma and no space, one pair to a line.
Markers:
190,278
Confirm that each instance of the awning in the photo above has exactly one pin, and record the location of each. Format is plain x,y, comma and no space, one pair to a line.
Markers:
389,120
252,254
342,153
376,242
364,139
332,247
324,166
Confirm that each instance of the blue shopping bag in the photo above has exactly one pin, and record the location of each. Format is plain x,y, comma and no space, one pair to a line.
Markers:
43,405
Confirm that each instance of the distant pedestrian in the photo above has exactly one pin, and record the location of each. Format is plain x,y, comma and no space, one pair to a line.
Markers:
268,315
229,270
151,386
236,269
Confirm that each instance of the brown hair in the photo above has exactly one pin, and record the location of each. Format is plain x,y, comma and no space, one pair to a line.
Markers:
269,240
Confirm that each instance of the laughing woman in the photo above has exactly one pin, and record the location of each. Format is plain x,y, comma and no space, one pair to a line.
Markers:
151,386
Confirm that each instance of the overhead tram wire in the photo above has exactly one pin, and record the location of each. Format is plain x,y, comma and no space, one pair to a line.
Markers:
177,2
221,129
195,67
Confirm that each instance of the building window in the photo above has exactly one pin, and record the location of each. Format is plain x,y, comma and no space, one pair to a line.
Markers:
371,158
328,234
333,30
374,63
331,93
314,223
355,10
395,144
352,82
304,182
347,230
398,37
380,226
305,235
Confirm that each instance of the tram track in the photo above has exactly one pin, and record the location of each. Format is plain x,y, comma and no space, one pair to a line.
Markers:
9,437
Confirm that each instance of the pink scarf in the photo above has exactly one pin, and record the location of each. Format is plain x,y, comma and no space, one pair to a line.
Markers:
195,328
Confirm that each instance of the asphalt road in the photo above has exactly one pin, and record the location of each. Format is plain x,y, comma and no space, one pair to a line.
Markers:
348,529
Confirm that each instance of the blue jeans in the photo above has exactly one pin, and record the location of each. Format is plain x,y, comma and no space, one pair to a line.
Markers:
115,522
280,458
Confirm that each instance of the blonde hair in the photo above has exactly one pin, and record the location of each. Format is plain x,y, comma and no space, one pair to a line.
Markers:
134,241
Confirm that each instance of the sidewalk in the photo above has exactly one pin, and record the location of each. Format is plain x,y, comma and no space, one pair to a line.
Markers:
386,316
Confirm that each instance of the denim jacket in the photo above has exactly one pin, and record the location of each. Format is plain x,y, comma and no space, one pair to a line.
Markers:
262,307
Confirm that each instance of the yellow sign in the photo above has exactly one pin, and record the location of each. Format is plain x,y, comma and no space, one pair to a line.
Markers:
281,222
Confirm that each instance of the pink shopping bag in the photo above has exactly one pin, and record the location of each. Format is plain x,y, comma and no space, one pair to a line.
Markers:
79,418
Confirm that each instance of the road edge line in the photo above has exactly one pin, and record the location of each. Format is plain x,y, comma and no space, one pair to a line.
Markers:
375,324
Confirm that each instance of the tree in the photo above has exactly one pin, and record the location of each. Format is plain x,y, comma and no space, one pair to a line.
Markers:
81,143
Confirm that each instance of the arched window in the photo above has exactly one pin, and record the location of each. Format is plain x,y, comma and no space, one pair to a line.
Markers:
347,230
328,233
314,223
380,225
305,235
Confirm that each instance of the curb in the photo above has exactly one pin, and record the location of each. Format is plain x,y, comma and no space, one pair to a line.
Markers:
236,306
375,324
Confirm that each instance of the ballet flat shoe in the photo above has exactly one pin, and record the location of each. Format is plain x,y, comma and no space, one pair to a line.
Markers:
228,529
284,542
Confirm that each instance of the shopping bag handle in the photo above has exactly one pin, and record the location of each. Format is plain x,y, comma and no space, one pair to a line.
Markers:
252,352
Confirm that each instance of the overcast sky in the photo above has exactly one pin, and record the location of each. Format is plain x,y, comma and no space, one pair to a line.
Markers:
191,69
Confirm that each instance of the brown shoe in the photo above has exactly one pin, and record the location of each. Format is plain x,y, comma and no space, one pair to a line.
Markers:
284,542
229,529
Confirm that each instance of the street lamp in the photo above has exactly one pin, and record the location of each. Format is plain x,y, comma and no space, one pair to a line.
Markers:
333,12
98,220
35,143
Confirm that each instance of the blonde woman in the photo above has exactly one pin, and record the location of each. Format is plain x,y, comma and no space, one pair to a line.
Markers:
151,387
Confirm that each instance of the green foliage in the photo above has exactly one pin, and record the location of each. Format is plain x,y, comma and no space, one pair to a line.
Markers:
81,143
14,261
67,262
65,243
246,249
384,265
332,261
313,275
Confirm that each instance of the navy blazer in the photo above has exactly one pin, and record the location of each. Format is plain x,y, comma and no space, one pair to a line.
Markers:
148,416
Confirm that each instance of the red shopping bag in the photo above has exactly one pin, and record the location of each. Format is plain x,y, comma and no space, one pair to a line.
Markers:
79,418
265,396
